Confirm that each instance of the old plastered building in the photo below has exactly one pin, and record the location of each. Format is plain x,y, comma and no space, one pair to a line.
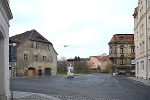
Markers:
36,56
121,53
142,38
100,62
5,16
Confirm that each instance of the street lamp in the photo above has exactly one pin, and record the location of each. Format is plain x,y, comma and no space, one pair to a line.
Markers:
12,51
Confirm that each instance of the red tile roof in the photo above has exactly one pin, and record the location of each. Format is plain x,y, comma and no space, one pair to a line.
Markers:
119,38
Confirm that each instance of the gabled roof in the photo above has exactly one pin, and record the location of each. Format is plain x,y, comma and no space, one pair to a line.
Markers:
122,38
32,35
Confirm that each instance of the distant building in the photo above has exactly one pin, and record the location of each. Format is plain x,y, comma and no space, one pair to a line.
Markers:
99,62
5,16
142,38
122,53
36,56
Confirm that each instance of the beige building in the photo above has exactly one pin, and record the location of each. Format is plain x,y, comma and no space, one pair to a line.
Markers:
142,38
121,53
5,16
36,56
101,62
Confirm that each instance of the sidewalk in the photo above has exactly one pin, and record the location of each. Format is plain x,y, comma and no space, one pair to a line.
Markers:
32,96
140,80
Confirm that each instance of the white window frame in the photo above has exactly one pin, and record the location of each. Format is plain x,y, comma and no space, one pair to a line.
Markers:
47,47
50,59
121,61
35,57
132,50
121,50
44,58
37,45
148,43
137,67
25,57
31,44
42,46
143,47
142,65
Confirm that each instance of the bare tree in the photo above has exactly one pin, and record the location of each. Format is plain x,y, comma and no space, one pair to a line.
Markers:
62,65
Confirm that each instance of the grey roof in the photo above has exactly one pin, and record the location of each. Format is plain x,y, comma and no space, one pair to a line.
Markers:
32,35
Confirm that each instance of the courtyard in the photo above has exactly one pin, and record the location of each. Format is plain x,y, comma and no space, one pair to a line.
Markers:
89,87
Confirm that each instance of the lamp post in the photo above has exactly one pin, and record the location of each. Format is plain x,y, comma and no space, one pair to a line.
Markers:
12,45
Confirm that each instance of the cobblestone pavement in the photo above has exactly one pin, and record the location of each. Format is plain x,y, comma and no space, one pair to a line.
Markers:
60,97
83,87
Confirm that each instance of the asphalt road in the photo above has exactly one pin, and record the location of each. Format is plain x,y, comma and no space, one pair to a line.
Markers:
102,86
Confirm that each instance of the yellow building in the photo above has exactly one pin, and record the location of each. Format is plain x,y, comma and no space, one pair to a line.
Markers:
36,56
121,53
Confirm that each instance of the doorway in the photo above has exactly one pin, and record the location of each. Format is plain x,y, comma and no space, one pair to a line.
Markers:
40,72
48,71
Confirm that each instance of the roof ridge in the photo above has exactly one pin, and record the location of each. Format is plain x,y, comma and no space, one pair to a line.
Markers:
31,34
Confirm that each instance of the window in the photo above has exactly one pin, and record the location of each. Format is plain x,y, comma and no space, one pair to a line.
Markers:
141,29
47,47
37,45
149,43
31,44
50,59
149,22
137,67
122,39
132,49
142,65
121,50
143,47
121,61
111,50
137,35
35,57
25,57
149,63
42,46
44,58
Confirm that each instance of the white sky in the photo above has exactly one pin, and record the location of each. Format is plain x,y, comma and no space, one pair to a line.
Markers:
86,26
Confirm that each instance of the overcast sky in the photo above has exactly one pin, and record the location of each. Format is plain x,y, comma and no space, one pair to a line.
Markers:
85,26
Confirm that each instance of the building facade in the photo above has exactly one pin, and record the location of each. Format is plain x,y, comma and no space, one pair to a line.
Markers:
36,56
101,62
121,53
5,16
142,38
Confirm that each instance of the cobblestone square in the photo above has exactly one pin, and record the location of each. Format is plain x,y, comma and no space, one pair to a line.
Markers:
84,87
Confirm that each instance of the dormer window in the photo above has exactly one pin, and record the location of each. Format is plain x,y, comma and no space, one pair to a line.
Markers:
122,39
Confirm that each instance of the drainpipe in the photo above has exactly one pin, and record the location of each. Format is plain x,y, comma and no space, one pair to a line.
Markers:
146,45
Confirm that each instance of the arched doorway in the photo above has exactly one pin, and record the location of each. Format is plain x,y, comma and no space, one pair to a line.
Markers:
31,72
40,72
47,71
